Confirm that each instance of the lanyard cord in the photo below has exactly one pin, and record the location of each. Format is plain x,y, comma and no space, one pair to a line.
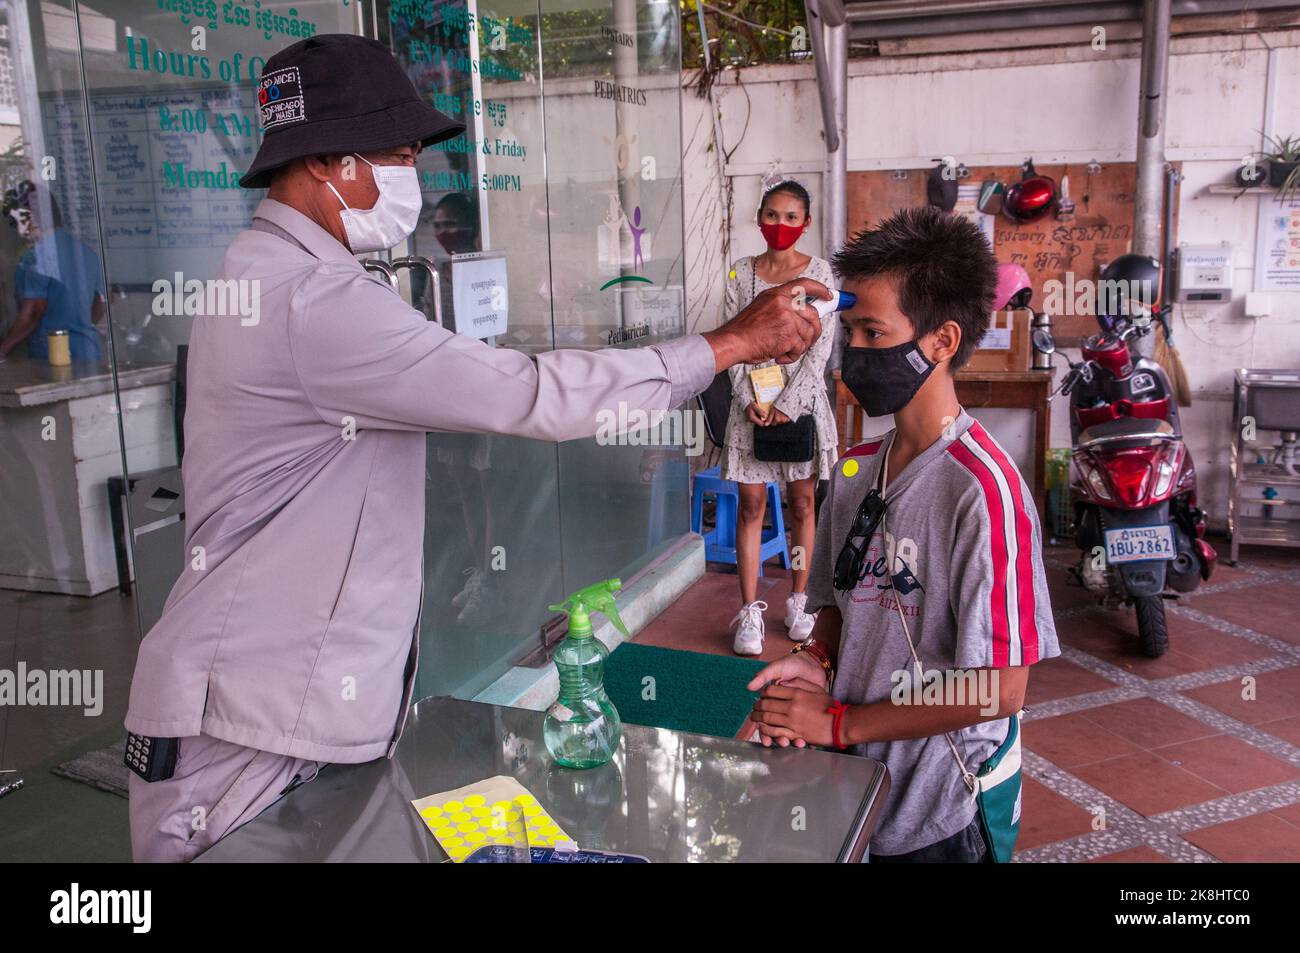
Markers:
881,483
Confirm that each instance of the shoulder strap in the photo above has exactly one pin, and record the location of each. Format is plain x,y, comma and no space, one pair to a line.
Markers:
882,482
262,225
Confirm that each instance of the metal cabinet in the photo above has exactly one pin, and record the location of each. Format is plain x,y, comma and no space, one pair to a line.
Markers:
1264,503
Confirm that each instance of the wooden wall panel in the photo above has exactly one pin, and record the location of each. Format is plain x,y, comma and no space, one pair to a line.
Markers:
1102,228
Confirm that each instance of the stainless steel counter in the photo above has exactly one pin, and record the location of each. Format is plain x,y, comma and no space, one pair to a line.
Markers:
667,795
28,383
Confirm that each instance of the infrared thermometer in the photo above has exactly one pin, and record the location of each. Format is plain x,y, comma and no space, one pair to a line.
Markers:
839,301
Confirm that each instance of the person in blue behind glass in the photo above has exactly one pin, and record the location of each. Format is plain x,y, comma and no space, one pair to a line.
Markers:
59,282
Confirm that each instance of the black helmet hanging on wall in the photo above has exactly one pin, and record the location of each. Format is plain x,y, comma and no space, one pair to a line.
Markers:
941,187
1129,289
1031,198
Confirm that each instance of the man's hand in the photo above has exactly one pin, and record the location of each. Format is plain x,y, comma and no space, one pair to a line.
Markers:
794,712
776,325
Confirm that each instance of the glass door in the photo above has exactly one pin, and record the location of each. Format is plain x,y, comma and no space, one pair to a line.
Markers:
59,451
613,79
568,179
491,511
172,123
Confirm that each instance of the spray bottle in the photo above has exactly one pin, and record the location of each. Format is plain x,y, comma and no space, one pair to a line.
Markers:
582,727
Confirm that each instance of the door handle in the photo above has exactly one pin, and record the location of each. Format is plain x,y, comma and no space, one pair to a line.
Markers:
383,267
419,261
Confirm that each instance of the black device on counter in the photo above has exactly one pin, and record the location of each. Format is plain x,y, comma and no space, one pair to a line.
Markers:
153,759
498,854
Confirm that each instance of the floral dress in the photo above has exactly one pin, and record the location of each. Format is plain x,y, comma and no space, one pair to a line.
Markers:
804,393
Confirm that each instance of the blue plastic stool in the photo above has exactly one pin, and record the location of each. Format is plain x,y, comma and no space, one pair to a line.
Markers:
720,542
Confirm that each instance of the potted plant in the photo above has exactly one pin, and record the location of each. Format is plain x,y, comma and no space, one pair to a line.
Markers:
1283,165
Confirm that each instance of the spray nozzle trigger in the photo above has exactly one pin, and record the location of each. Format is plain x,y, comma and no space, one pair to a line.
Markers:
594,598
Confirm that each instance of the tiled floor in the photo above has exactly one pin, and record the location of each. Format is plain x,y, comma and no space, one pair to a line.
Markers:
1194,756
51,633
53,818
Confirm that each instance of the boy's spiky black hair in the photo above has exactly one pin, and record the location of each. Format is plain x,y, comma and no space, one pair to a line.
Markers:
943,265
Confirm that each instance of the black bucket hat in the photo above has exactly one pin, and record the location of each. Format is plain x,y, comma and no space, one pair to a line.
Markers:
338,93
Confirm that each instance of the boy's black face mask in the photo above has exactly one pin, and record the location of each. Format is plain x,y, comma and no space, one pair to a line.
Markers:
884,379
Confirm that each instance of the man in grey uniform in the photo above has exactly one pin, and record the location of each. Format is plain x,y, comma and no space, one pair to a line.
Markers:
290,638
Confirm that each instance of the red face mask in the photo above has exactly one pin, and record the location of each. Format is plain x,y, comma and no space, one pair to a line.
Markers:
780,236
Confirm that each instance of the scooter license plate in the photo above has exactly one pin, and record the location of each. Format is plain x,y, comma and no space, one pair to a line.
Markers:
1133,544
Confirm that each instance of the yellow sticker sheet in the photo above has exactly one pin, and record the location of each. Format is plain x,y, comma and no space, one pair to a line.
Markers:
497,810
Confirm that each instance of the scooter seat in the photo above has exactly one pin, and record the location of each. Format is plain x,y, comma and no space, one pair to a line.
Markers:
1134,427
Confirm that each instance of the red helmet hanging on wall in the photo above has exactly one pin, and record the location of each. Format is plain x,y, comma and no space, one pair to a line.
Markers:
1031,198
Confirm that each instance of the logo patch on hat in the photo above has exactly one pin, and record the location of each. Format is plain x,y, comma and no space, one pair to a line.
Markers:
279,98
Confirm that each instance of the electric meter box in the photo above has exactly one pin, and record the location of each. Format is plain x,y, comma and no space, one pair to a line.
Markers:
1204,273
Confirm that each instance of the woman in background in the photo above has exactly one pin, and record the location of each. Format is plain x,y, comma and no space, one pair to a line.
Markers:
783,217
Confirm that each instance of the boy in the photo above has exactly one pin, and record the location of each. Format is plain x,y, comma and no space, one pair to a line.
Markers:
953,562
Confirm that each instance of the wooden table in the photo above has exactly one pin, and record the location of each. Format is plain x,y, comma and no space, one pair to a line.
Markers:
1019,390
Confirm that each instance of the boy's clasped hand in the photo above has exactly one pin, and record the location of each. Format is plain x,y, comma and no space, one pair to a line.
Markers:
793,707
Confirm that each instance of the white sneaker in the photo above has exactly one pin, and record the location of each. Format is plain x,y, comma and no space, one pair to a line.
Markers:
470,588
749,634
799,623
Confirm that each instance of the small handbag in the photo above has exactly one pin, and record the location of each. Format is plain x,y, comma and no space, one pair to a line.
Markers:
794,442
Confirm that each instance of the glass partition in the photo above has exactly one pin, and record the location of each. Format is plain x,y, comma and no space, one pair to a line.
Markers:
59,447
568,176
491,511
614,168
570,169
169,87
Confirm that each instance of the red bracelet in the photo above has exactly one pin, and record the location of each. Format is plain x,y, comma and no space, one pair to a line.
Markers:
836,712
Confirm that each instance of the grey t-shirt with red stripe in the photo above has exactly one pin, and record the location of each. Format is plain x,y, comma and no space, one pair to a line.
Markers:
968,572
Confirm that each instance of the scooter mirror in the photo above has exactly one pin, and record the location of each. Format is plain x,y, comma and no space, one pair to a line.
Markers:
1043,341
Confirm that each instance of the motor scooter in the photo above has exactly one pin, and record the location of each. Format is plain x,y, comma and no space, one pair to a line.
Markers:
1132,480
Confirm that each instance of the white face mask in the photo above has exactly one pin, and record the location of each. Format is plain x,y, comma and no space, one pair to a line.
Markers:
395,214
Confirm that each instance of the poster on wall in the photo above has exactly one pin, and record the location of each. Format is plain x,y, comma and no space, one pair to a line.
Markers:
1278,247
650,312
167,165
480,293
